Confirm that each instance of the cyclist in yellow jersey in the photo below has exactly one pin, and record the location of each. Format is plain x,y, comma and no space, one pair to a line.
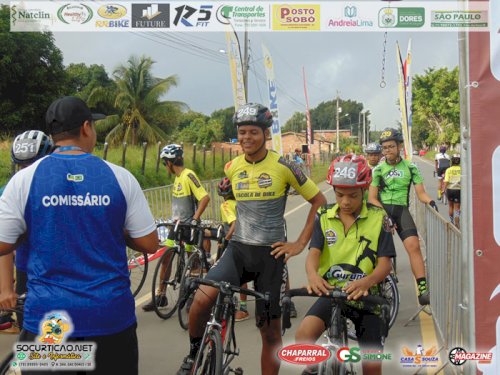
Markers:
189,201
452,178
257,251
351,248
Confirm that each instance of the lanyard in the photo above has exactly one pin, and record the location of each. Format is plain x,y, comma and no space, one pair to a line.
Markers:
67,148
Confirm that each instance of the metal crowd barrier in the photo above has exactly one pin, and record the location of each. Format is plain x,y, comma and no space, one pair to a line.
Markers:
160,201
442,243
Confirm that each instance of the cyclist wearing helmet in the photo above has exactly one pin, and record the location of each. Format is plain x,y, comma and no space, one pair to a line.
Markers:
392,179
452,187
27,148
257,251
373,154
189,201
441,163
351,248
77,214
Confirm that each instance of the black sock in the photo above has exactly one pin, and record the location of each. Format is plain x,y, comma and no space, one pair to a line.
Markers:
194,345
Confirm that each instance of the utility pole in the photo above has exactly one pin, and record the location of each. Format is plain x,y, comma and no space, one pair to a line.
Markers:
337,137
359,128
364,129
245,63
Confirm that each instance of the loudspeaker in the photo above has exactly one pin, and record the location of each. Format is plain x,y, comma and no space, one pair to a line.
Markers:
305,149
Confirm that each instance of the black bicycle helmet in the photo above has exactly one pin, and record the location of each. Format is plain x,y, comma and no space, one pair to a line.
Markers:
30,146
455,159
225,189
253,114
373,148
390,134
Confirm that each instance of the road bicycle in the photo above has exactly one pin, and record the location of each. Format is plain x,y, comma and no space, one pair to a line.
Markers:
197,266
336,331
167,277
218,345
8,365
441,195
138,262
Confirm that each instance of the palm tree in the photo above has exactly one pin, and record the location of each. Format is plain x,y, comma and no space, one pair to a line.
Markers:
137,99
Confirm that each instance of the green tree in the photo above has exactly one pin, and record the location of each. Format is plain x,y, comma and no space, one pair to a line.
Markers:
323,116
436,107
225,117
138,101
32,76
296,123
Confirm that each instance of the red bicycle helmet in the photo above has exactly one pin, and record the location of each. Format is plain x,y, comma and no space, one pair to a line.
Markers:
225,188
349,171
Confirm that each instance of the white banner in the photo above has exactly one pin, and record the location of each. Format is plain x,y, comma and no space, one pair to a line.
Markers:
363,16
273,100
236,66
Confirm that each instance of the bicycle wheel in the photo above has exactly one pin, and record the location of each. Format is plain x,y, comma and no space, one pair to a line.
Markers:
391,293
166,283
137,263
192,270
6,366
209,358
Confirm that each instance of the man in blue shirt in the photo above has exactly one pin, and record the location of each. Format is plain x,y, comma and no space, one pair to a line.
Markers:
77,213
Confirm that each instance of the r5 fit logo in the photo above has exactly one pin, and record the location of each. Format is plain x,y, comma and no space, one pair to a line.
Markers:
185,12
349,355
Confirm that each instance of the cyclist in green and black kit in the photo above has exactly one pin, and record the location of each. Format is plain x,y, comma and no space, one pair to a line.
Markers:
392,179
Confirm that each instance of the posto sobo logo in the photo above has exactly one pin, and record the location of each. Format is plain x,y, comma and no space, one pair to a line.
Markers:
296,17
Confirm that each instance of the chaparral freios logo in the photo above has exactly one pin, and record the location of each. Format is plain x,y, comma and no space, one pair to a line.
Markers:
304,354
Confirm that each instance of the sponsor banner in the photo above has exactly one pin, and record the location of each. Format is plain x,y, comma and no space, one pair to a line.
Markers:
253,16
273,100
292,16
235,65
420,357
485,180
403,105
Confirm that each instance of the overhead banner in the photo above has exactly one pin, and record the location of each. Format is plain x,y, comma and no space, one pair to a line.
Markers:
273,100
484,93
403,106
236,68
289,16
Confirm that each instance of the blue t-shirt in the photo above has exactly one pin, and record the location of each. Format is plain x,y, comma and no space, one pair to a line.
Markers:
74,209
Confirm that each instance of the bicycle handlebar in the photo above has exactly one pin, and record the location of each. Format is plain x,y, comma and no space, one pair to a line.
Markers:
227,288
335,294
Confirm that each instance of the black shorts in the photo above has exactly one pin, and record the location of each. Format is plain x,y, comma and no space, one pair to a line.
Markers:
441,171
401,215
453,195
368,326
242,263
124,343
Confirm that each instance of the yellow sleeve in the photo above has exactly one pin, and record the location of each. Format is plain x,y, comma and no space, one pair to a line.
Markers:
196,187
447,175
228,211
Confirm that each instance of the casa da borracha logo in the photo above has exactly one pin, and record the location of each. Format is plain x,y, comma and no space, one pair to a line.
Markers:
75,14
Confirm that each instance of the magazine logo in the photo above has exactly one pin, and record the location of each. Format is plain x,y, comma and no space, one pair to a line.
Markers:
296,17
75,14
401,17
458,356
186,15
351,20
151,16
304,354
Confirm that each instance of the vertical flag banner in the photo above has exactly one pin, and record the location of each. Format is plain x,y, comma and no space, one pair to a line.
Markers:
484,95
409,98
273,100
402,105
235,64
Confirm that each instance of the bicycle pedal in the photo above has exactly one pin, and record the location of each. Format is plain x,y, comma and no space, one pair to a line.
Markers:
237,370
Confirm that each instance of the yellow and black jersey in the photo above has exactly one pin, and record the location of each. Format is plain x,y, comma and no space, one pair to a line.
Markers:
261,190
187,191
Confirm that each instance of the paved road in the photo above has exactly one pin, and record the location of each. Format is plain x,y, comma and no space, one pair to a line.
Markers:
163,344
